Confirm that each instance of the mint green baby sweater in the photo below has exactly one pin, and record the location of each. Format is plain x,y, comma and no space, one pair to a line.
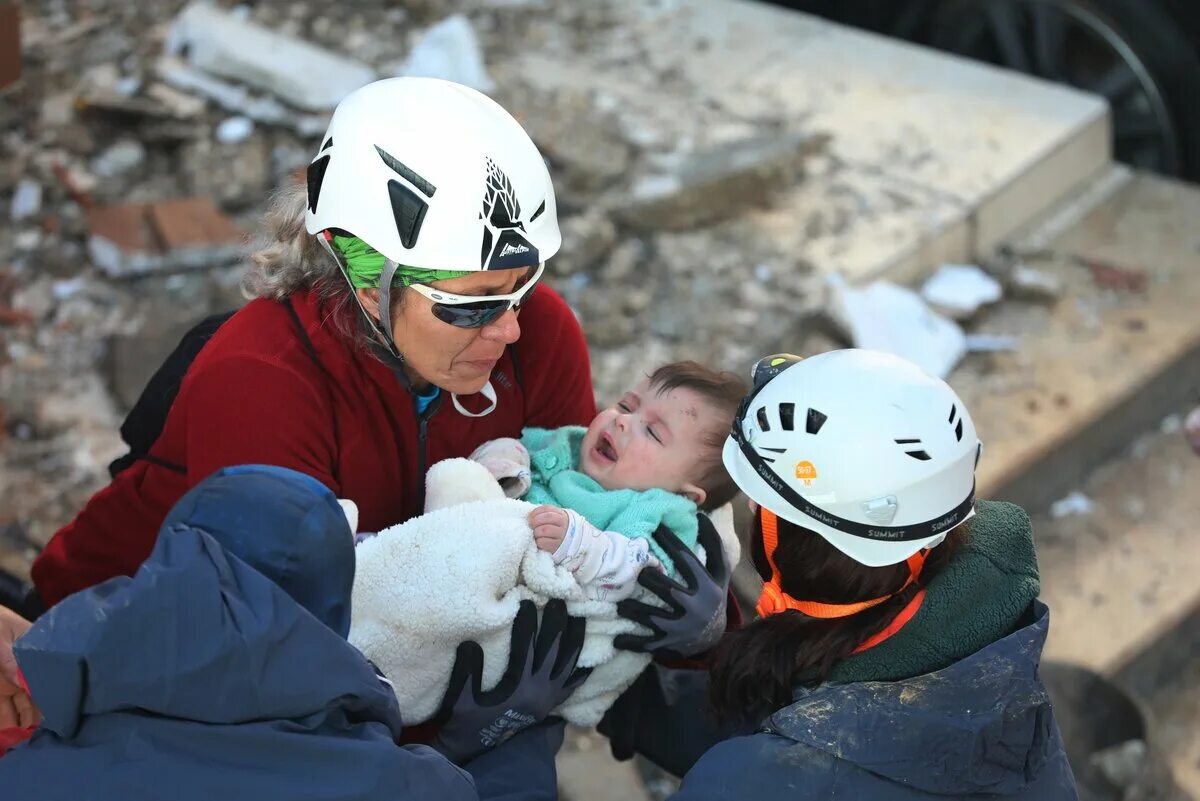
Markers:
554,465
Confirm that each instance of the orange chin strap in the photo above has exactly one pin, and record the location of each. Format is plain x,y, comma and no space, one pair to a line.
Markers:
774,600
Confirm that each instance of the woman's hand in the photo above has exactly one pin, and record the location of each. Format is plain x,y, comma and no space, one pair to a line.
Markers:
541,675
16,707
694,618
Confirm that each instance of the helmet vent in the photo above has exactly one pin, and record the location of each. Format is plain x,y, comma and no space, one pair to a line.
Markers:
406,172
815,421
316,176
958,431
328,144
409,212
763,423
787,416
919,455
539,211
953,411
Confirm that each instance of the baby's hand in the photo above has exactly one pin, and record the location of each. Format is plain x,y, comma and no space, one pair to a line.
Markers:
549,524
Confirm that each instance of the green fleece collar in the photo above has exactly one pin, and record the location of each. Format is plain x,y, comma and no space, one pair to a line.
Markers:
977,599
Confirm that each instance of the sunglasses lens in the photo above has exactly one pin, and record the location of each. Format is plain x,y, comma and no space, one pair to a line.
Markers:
470,315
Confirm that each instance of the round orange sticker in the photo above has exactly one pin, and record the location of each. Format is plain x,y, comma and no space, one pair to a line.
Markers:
806,472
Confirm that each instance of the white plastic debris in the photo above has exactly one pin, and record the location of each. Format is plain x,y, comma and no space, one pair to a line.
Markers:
67,288
295,71
234,129
120,158
960,289
449,50
990,343
1074,504
26,200
891,318
129,86
28,239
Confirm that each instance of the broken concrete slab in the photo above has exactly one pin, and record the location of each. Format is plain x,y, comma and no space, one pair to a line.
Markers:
267,110
1005,145
941,156
302,74
584,144
449,50
137,238
726,181
1091,372
884,316
1119,577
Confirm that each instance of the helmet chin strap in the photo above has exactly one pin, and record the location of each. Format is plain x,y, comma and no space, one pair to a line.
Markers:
488,392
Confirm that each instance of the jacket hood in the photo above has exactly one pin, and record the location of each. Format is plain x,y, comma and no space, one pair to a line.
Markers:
980,726
284,524
239,614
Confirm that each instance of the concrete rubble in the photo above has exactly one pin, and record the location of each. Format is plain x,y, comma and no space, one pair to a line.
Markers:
449,50
144,141
295,71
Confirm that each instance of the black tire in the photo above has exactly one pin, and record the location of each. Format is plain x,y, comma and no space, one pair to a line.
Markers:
1165,48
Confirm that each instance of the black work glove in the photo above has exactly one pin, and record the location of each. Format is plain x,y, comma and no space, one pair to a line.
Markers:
694,617
541,674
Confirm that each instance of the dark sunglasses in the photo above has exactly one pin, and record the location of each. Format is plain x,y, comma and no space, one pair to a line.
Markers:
473,311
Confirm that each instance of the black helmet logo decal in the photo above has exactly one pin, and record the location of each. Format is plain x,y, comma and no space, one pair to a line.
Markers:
505,245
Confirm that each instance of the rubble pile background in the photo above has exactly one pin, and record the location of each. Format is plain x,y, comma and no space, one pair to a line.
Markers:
143,143
136,161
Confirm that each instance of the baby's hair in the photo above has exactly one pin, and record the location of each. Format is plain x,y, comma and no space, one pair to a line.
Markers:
724,392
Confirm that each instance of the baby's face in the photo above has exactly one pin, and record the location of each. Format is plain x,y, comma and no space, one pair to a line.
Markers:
650,440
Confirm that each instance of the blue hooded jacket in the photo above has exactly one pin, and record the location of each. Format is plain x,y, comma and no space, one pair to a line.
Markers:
221,669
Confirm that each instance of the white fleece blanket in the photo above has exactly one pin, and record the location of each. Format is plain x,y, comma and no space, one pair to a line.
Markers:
458,573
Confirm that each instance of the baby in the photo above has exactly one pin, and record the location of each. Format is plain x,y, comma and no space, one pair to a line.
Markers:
651,459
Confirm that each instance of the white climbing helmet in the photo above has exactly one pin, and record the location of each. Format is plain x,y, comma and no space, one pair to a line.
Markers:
862,447
433,175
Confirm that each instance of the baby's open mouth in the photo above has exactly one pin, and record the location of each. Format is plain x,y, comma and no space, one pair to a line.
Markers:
605,449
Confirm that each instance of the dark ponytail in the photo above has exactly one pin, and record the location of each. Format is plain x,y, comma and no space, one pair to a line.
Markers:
757,668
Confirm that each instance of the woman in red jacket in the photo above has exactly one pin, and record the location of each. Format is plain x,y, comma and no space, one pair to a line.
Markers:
384,336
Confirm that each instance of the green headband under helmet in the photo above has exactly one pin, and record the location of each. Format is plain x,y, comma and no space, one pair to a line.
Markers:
364,264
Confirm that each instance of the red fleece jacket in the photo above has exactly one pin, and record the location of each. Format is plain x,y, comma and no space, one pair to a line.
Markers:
255,395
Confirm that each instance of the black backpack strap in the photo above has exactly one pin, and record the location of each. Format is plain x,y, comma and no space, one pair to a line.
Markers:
305,340
146,419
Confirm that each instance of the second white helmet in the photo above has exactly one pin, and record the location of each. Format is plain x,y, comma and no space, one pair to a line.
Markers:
862,447
433,175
